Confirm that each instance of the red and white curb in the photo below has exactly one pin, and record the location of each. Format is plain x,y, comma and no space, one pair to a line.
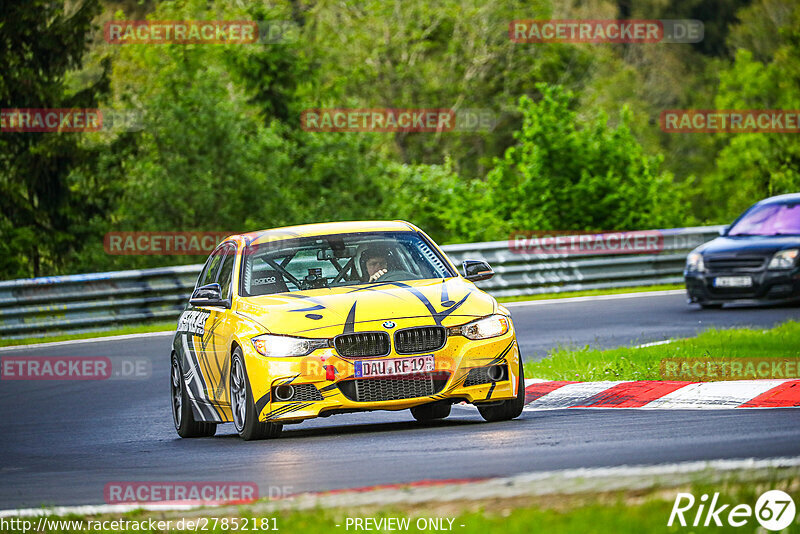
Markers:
659,395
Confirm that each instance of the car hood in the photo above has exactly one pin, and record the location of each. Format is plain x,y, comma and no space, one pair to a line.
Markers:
336,310
749,245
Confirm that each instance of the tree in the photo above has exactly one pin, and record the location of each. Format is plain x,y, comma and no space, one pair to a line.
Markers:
450,54
566,174
752,166
41,209
221,148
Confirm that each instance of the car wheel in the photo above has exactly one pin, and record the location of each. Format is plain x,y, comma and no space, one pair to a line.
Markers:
509,409
711,306
431,411
182,414
245,418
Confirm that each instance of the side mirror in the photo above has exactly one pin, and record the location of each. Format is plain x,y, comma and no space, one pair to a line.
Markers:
475,270
724,229
209,295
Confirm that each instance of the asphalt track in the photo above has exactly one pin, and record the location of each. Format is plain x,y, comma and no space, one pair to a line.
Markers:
62,442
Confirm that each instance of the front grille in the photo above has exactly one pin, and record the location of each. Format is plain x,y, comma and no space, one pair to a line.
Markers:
362,344
422,339
385,389
304,392
735,263
480,375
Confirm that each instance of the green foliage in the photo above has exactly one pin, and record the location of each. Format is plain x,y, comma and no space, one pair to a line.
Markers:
217,151
576,144
430,196
566,175
756,165
451,54
41,207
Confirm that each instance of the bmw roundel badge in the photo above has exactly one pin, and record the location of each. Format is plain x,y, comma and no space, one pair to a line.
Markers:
388,324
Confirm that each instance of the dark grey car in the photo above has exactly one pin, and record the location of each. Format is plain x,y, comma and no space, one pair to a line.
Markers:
754,259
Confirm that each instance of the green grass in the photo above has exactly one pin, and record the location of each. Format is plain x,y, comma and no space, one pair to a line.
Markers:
592,292
134,329
630,512
628,363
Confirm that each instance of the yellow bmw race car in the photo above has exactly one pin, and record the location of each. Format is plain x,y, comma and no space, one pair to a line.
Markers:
316,320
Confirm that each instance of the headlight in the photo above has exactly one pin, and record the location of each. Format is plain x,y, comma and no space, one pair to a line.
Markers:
283,346
492,326
694,262
783,259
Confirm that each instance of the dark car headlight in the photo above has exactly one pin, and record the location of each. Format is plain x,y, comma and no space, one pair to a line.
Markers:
694,262
784,259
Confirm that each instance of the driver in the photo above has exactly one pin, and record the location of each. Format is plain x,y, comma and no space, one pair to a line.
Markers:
376,263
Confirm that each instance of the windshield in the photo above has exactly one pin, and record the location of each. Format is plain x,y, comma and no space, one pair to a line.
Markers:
338,260
770,219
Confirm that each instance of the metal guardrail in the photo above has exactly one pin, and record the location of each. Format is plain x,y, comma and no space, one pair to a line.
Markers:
40,307
533,274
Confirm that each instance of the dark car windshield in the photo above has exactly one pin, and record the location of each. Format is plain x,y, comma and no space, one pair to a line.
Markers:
338,260
769,219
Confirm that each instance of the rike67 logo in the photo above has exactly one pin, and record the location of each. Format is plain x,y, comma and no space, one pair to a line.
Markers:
774,511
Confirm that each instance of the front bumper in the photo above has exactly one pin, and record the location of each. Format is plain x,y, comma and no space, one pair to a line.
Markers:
319,396
773,286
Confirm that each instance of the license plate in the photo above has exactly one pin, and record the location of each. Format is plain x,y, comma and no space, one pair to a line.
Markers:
394,366
733,281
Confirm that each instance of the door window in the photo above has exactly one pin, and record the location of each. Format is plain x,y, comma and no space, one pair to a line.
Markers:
226,271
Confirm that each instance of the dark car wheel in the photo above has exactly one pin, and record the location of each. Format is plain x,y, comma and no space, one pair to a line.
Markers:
182,414
509,409
431,411
245,418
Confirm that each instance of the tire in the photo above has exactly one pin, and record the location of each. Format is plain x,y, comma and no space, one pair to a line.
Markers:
431,411
182,414
243,408
711,306
509,409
